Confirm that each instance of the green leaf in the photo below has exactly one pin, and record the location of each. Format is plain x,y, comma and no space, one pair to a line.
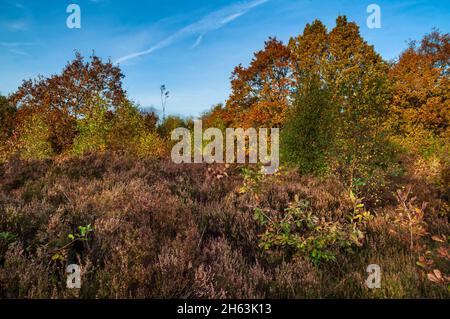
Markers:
418,263
57,256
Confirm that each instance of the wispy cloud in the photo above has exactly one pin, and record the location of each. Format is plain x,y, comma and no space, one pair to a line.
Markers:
18,25
16,44
199,40
17,48
211,22
19,52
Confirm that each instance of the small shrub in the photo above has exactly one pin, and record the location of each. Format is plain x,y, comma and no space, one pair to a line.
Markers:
298,229
410,217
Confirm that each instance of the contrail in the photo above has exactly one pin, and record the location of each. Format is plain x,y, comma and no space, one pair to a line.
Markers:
212,21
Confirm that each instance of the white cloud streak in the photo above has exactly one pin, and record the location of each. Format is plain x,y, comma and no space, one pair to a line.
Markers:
18,25
198,41
17,48
16,44
18,52
211,22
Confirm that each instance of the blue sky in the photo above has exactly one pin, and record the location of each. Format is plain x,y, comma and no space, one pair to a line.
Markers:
190,46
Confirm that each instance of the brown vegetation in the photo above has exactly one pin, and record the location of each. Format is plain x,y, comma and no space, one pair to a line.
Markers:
161,230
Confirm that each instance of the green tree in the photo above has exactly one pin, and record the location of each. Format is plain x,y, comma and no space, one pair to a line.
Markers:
169,124
7,113
33,139
131,133
127,127
357,79
308,132
93,129
7,119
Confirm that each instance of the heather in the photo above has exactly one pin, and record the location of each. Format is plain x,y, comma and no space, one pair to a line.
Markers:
160,230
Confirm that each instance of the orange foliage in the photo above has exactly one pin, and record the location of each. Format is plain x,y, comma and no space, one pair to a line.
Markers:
421,86
260,92
63,97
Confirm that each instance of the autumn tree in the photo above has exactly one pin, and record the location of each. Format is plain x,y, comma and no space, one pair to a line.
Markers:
7,114
126,130
345,66
62,99
7,122
358,77
170,123
260,92
150,118
215,117
309,53
421,103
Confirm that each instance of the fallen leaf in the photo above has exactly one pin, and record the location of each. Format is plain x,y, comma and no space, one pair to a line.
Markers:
438,239
443,253
438,274
432,278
